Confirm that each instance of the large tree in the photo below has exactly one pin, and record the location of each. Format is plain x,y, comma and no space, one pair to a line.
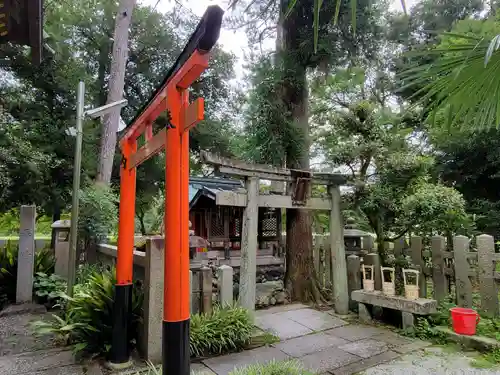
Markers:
307,41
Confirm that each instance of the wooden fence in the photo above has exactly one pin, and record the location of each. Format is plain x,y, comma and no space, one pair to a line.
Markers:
471,267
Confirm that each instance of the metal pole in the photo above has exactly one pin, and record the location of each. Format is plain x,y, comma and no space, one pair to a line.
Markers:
80,101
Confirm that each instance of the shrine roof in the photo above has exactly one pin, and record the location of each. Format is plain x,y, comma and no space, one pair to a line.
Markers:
209,186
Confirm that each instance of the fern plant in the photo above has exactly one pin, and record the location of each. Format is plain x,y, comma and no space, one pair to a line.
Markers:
87,320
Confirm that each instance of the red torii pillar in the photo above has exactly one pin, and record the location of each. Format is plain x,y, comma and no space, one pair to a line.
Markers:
173,96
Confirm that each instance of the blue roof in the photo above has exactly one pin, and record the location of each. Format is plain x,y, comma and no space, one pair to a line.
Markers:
211,185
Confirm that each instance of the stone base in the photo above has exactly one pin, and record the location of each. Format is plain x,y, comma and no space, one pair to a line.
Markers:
118,366
480,343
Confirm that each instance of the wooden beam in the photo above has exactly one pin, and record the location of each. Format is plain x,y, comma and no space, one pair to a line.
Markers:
231,167
236,199
193,114
151,148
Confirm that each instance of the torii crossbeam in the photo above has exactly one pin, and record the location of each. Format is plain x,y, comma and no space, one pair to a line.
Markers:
172,96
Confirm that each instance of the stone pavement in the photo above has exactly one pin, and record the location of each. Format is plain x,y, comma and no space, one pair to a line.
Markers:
321,341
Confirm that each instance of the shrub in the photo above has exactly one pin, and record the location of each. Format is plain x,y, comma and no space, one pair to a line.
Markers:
273,368
88,316
98,215
49,289
223,330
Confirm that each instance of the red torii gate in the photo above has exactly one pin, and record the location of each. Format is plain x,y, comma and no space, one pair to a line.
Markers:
172,96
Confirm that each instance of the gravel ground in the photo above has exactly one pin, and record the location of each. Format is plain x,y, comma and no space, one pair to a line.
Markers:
435,361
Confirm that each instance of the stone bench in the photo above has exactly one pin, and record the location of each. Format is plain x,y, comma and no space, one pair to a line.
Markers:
409,308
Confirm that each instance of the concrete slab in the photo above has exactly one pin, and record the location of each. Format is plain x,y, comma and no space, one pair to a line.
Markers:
281,308
225,364
313,319
282,327
393,340
364,364
35,361
327,360
419,306
356,332
414,346
365,348
304,345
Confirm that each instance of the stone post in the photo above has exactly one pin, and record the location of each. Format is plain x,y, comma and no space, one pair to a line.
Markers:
248,268
439,281
418,261
225,275
338,258
206,289
153,300
487,283
26,257
61,246
462,281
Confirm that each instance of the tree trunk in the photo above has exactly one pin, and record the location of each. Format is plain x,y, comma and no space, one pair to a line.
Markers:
300,277
116,84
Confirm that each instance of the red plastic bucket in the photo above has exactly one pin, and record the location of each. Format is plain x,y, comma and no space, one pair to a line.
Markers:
464,320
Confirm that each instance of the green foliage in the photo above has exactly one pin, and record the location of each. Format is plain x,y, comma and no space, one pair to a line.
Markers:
48,289
98,214
460,85
224,330
88,319
291,367
44,263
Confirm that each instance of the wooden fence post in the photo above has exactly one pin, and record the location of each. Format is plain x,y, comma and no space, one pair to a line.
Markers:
418,261
462,281
439,281
373,259
399,247
487,283
353,277
248,268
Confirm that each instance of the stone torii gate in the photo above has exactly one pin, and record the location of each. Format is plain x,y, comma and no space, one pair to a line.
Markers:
298,196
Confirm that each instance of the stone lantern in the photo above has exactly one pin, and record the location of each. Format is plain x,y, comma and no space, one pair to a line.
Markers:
356,240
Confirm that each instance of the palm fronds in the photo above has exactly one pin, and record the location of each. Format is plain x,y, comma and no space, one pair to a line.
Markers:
462,84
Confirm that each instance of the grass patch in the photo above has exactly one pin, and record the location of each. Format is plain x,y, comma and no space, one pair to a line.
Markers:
224,330
292,367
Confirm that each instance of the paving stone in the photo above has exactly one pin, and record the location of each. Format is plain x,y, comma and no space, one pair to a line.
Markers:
356,332
364,364
327,360
70,370
412,347
313,319
281,308
225,364
35,361
365,348
282,327
301,346
200,369
393,339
